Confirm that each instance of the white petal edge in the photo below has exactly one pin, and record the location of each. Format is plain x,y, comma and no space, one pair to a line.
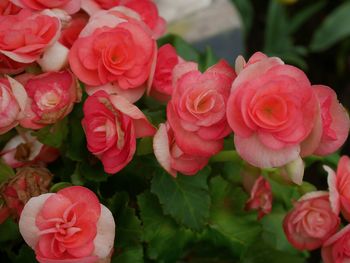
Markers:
104,240
27,226
334,198
161,149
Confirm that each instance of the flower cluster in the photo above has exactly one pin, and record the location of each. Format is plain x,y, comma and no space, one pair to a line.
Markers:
103,55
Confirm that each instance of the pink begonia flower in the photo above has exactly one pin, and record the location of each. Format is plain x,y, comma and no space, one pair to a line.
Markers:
272,109
71,32
111,126
28,182
197,109
13,99
260,197
9,66
171,157
70,6
339,186
167,59
336,248
146,9
25,36
51,97
69,226
96,58
8,8
311,222
335,121
27,150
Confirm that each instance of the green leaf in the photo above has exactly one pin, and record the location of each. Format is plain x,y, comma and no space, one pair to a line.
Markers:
6,172
334,28
145,146
273,233
26,254
230,225
128,247
185,198
246,12
260,252
76,140
304,15
207,59
58,186
9,231
166,240
92,172
53,135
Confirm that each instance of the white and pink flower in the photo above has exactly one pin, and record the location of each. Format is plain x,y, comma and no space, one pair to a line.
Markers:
68,226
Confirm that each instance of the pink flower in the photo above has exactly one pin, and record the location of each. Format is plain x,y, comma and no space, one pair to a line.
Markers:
311,222
27,150
51,97
13,99
271,110
336,248
7,8
9,66
115,48
28,182
71,33
25,36
339,186
107,4
335,121
148,11
167,59
111,125
260,197
69,226
197,109
171,157
70,6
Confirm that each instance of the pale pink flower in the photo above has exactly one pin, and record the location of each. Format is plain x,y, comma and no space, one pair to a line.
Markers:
272,109
336,248
69,226
197,109
311,222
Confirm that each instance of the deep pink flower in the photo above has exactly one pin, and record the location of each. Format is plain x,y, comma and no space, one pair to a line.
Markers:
336,248
311,222
339,186
113,47
162,86
260,197
70,6
171,157
335,121
8,8
111,125
272,109
197,109
26,35
69,226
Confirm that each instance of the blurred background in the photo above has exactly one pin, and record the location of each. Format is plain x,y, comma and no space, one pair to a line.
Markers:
313,35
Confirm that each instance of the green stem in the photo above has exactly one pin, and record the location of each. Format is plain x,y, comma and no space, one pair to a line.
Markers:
225,156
